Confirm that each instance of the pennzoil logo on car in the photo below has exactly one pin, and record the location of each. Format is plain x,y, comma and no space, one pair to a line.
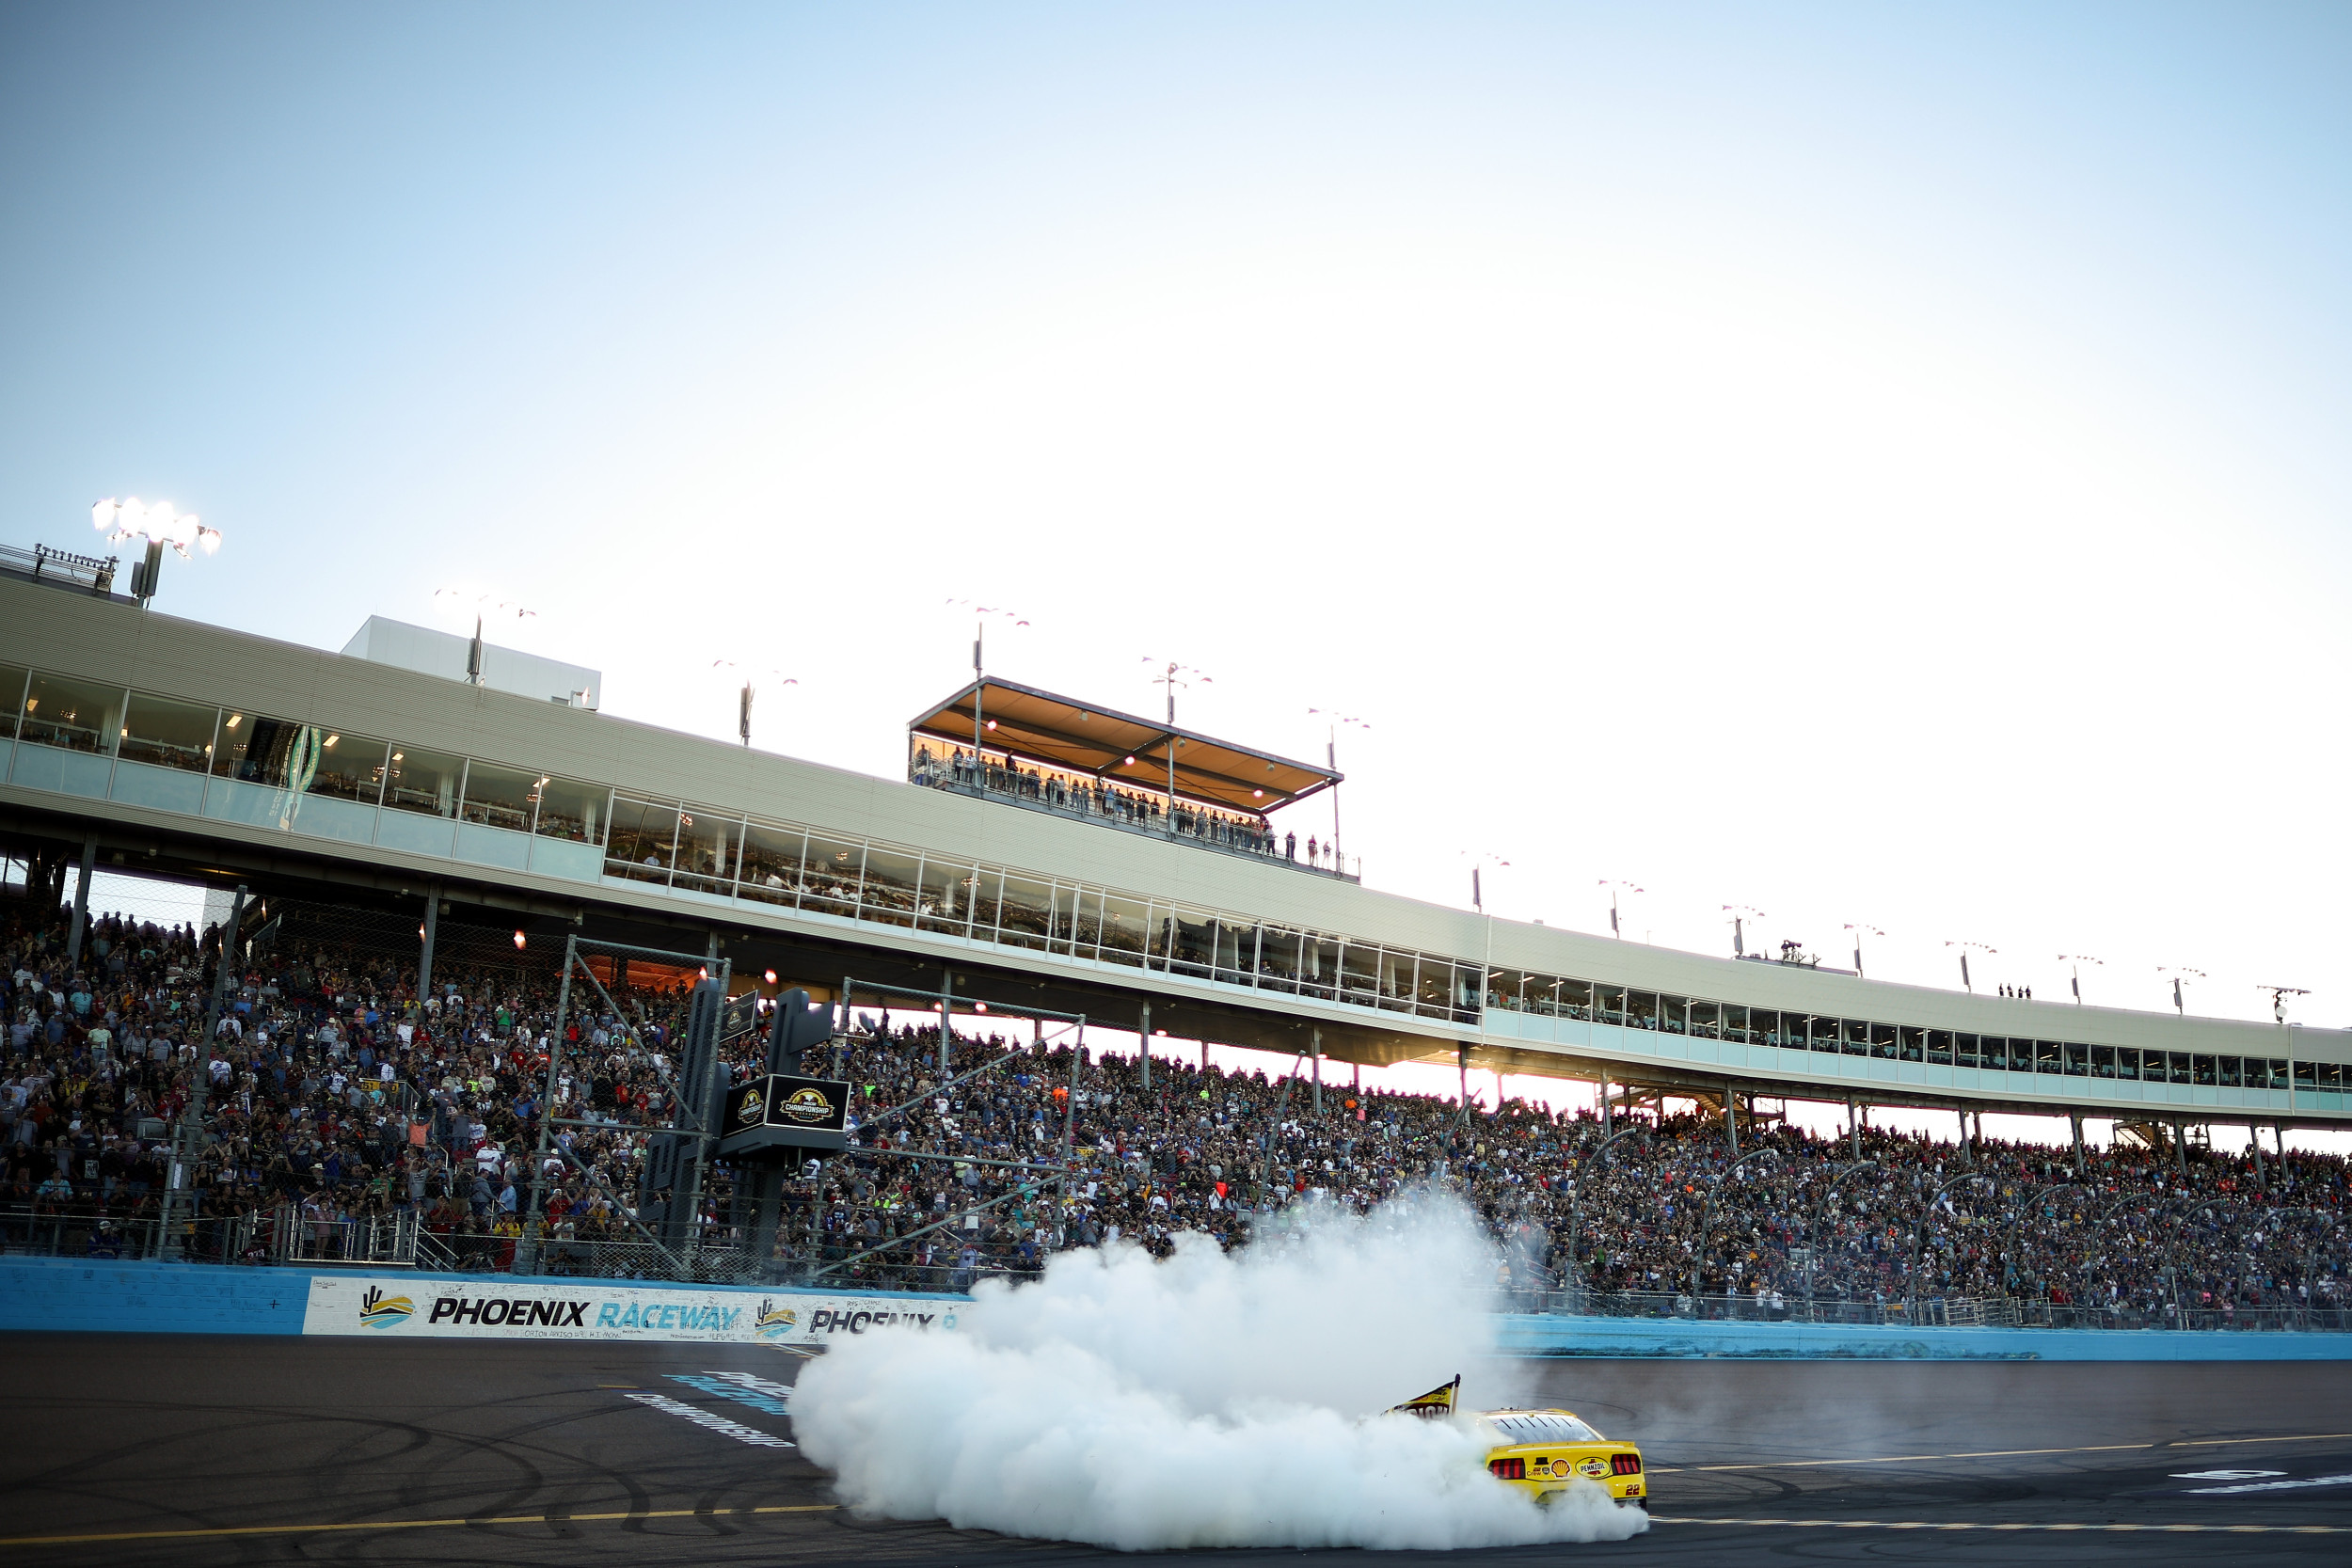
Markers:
1595,1467
807,1105
752,1106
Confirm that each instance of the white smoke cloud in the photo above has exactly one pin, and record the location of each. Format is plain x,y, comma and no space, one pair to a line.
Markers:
1209,1401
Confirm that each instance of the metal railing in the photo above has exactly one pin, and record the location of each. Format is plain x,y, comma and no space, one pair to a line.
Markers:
1066,796
46,563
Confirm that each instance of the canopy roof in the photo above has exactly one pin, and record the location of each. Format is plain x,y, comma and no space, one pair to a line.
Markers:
1119,748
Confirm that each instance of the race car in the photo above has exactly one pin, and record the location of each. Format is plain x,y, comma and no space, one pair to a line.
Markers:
1543,1452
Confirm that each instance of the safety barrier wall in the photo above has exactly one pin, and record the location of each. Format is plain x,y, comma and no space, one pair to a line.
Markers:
62,1295
1526,1334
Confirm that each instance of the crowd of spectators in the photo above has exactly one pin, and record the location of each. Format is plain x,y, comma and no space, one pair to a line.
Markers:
1078,795
334,1094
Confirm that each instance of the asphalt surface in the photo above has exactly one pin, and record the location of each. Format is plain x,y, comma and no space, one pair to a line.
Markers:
175,1449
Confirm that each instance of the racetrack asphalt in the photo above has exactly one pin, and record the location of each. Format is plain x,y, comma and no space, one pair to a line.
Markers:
122,1449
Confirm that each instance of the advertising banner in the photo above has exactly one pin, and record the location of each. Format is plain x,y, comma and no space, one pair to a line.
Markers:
495,1308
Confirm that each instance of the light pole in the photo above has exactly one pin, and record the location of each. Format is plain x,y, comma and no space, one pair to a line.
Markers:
1171,677
484,604
1858,929
2075,977
1334,721
1613,884
744,705
980,612
1478,898
1741,915
1965,984
2180,973
159,525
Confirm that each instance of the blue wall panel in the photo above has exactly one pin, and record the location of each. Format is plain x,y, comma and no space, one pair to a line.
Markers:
1524,1335
64,1295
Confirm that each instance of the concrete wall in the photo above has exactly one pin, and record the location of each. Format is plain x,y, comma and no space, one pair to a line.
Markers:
65,1296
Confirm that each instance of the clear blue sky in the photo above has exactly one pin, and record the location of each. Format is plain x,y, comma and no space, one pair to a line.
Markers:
1881,464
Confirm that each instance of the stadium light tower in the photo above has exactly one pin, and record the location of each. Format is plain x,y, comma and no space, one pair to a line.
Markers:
751,689
484,603
1741,915
1613,884
1333,722
980,614
159,525
1857,928
1478,893
2180,973
1173,676
2075,979
1966,984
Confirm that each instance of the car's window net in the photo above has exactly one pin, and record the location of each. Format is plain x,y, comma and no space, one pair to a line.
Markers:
1543,1427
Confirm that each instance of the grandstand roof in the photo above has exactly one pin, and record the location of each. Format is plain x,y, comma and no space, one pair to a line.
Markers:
1119,748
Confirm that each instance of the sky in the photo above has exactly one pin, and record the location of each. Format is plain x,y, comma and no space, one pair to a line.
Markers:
1879,467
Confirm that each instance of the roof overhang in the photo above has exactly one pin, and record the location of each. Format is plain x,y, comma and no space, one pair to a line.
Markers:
1119,748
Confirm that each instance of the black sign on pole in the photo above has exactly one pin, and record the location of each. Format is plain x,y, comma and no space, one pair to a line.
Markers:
782,1113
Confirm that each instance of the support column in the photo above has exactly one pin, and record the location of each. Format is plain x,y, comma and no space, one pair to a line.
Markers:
1318,1072
1604,1104
181,1205
81,905
946,1019
2074,1119
1143,1056
1853,1127
2254,1142
425,960
1731,1120
1461,1060
2179,1145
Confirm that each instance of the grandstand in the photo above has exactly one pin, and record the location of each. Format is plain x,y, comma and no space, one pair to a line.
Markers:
425,855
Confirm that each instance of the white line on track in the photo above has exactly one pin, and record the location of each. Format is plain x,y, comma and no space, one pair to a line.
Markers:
1929,1524
2011,1454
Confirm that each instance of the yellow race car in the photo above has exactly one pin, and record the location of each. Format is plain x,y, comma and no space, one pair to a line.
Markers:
1544,1451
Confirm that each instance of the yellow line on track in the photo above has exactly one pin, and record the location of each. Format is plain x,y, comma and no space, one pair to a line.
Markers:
2008,1453
2120,1530
412,1524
